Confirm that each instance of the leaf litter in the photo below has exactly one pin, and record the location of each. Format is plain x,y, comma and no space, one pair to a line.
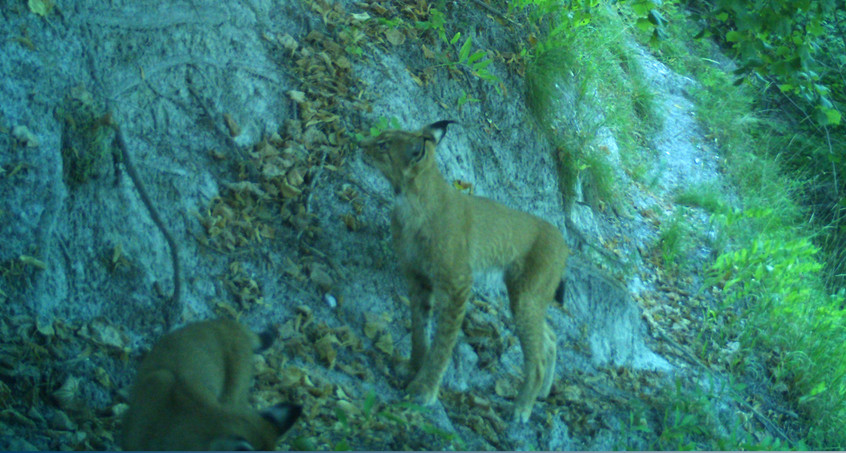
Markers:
269,192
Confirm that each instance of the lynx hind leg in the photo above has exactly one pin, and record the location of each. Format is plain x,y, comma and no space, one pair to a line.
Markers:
550,357
530,331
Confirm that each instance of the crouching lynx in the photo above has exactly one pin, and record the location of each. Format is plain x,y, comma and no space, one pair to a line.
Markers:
441,236
191,393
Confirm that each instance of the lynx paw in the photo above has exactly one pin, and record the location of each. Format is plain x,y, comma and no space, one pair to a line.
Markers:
522,414
422,394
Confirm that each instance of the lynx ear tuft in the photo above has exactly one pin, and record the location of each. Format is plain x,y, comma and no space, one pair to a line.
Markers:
438,130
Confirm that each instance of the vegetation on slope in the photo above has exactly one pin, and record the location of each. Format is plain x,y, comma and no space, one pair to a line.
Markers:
778,131
780,313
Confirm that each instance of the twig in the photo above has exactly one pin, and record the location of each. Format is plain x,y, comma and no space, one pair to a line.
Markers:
491,10
145,198
108,119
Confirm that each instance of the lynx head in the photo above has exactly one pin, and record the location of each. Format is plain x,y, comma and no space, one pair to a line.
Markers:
401,155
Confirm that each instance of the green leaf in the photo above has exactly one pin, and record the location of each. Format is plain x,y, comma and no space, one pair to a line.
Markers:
832,116
641,8
644,25
656,18
389,416
825,103
733,36
480,66
485,75
455,38
815,28
475,57
819,388
369,402
465,50
342,416
41,7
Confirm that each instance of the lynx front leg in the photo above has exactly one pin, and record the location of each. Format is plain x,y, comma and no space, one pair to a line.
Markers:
420,294
452,300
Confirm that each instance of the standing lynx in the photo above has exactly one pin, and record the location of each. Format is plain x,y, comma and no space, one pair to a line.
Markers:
441,236
191,393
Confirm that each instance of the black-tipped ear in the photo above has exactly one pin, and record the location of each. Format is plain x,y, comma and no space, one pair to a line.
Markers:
282,416
439,129
266,338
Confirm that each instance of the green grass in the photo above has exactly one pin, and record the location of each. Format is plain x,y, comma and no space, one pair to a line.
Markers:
708,196
674,239
577,73
790,328
683,416
776,304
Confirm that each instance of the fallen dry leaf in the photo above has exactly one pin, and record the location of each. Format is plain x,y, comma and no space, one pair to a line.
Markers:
66,395
232,125
395,37
326,350
288,42
292,376
386,344
297,96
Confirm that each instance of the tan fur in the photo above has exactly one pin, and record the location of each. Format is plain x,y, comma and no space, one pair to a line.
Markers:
191,394
441,236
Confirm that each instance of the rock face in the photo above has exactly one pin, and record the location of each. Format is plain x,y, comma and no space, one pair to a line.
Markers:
241,119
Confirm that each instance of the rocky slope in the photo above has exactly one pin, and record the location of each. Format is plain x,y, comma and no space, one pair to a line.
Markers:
241,120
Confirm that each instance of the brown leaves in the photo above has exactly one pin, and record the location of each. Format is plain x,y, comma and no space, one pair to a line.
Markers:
232,125
241,284
385,343
47,370
238,218
107,336
319,275
325,349
66,395
375,328
281,168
